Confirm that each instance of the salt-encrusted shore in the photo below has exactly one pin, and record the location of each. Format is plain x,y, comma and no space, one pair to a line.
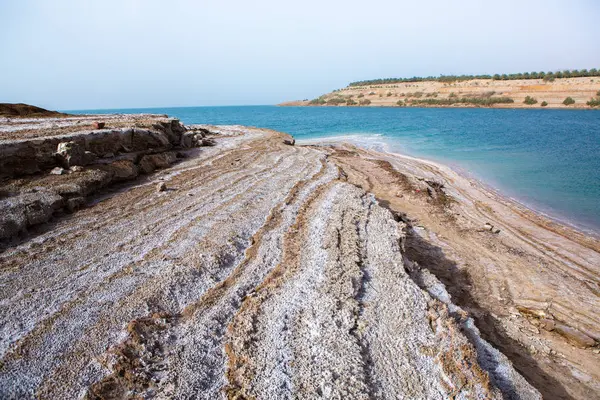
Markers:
225,262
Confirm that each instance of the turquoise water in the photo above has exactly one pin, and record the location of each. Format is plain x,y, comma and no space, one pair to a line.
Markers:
547,159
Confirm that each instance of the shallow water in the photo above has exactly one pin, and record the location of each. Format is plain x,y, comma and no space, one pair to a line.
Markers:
547,159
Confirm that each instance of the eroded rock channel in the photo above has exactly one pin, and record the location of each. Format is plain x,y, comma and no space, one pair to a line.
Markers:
259,270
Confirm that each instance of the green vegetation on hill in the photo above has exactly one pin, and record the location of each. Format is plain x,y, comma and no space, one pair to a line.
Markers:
568,101
480,101
548,76
530,100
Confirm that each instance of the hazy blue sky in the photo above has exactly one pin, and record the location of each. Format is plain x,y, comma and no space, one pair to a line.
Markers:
78,54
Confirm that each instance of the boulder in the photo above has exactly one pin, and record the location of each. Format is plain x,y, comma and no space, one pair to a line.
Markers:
89,157
188,140
208,142
547,324
70,153
150,162
57,171
161,187
85,182
75,203
289,142
574,336
104,142
26,209
123,170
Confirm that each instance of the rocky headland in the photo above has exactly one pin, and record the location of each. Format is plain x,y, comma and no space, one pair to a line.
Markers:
141,258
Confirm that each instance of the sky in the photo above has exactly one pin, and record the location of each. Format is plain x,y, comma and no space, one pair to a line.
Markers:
83,54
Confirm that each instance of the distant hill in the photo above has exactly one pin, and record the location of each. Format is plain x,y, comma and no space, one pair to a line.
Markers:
502,91
26,110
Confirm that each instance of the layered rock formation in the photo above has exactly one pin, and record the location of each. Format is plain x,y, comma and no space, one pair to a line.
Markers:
42,175
257,271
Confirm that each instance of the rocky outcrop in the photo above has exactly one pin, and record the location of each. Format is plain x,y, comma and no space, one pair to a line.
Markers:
26,209
84,162
24,157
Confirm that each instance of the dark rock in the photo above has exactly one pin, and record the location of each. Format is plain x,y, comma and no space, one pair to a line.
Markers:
26,209
161,187
75,203
70,153
99,125
289,142
89,157
188,140
209,142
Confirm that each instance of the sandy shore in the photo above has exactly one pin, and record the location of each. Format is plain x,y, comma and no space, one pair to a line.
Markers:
253,268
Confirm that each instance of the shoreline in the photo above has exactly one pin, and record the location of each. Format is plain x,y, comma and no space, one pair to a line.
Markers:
495,107
511,268
255,229
551,215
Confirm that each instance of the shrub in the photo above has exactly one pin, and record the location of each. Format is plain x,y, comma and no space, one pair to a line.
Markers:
351,102
488,101
594,102
389,94
598,93
568,101
319,101
336,101
360,96
452,94
544,103
365,102
400,103
530,100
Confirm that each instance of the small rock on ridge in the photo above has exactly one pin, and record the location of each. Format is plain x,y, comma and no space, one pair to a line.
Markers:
57,171
289,142
161,187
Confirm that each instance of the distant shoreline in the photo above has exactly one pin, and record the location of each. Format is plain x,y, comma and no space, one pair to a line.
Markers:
564,93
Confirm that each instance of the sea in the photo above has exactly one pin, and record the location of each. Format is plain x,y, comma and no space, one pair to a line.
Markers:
546,159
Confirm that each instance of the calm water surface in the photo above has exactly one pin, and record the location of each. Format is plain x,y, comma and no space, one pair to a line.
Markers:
547,159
